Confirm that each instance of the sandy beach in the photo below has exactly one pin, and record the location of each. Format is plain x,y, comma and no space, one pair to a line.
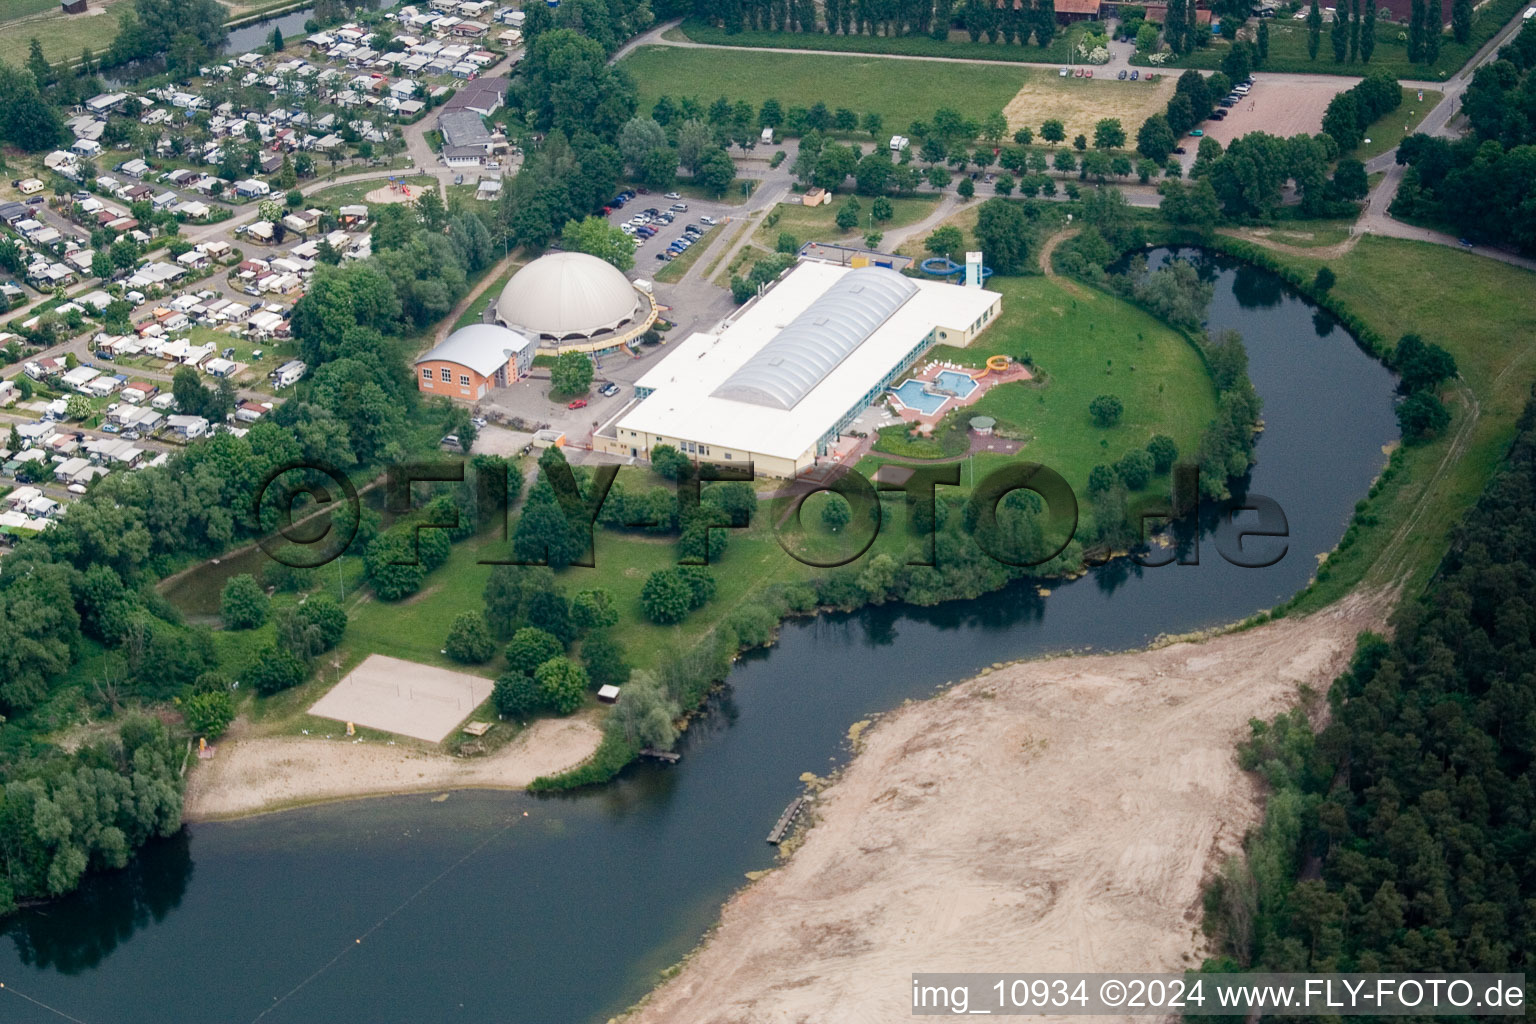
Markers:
1056,815
269,773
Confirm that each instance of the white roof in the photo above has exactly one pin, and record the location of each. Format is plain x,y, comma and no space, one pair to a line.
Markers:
565,294
687,403
484,348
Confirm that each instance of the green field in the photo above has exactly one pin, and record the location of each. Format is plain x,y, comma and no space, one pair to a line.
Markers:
1392,128
819,223
1288,48
957,45
1477,309
897,90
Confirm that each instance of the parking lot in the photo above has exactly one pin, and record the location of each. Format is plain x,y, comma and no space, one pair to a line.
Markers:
646,263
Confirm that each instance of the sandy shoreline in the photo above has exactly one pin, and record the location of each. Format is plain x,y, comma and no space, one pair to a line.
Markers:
1048,816
273,773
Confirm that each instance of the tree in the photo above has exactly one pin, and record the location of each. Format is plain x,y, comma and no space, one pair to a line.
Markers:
1135,469
835,512
1108,134
1324,280
1024,136
604,659
563,684
669,463
243,604
1065,162
273,670
666,598
1421,417
1421,365
1368,32
717,172
848,214
571,374
1164,453
517,695
1416,31
596,237
78,407
644,713
469,639
1461,20
1314,29
966,189
1080,142
531,647
1106,410
659,167
1154,139
277,40
874,124
881,209
1053,131
1004,233
945,240
594,609
209,713
638,139
694,140
30,122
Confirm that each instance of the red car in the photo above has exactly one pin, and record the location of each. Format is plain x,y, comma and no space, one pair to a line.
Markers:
580,403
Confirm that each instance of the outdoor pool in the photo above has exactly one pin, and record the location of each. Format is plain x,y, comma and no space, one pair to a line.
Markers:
912,395
953,380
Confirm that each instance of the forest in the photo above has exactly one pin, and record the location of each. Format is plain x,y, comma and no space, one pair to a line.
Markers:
1480,186
1397,836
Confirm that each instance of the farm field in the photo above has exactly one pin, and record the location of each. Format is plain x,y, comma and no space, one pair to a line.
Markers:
1080,103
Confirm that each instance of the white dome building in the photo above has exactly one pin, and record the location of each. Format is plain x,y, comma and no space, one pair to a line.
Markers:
571,297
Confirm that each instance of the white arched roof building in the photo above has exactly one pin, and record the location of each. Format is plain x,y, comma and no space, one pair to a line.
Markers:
569,296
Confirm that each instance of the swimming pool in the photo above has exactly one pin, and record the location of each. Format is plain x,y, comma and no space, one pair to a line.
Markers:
960,383
912,395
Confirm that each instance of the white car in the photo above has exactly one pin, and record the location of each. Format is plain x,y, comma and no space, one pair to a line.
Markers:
639,221
76,488
1242,90
674,195
705,219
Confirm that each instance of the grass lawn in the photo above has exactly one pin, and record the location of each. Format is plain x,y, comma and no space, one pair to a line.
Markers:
819,223
1396,126
1087,343
1307,234
1288,48
672,271
62,35
474,314
900,91
1477,308
957,45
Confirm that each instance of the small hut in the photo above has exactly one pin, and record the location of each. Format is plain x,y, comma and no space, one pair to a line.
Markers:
983,426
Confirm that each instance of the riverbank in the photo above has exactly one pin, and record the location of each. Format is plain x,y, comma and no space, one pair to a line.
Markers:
1055,815
273,773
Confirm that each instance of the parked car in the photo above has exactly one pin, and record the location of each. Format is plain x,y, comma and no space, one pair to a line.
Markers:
450,442
76,488
674,195
1135,75
1466,243
580,403
1087,72
479,422
679,207
663,256
1179,150
608,390
704,219
1121,75
1226,101
1196,133
1064,72
1218,115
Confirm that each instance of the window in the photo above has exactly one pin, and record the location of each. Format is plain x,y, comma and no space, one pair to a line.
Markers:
426,373
447,377
463,380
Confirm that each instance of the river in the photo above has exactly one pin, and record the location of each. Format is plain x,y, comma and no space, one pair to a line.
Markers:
506,907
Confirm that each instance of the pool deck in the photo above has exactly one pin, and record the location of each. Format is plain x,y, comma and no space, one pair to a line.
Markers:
984,379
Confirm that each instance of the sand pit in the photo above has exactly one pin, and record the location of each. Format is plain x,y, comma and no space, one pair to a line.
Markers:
1055,815
251,776
403,697
1080,103
392,194
1282,105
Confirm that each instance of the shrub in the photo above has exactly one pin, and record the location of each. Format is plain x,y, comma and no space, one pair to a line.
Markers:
275,669
753,625
323,614
1101,479
1164,453
666,597
1324,280
209,713
563,684
604,659
1106,410
243,604
531,647
469,639
1421,417
517,695
1135,469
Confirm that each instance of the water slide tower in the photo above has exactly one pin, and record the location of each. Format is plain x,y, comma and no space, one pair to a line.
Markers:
973,270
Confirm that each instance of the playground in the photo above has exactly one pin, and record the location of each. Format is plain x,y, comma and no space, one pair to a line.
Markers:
403,697
397,191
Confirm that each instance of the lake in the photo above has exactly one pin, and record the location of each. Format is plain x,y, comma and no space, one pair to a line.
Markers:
507,907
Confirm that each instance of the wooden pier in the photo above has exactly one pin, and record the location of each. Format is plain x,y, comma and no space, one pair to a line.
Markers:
669,756
785,820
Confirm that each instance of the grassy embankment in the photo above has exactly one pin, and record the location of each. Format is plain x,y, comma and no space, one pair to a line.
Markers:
1288,48
1393,127
958,45
1475,308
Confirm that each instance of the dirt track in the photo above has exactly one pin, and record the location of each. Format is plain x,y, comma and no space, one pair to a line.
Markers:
1051,815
